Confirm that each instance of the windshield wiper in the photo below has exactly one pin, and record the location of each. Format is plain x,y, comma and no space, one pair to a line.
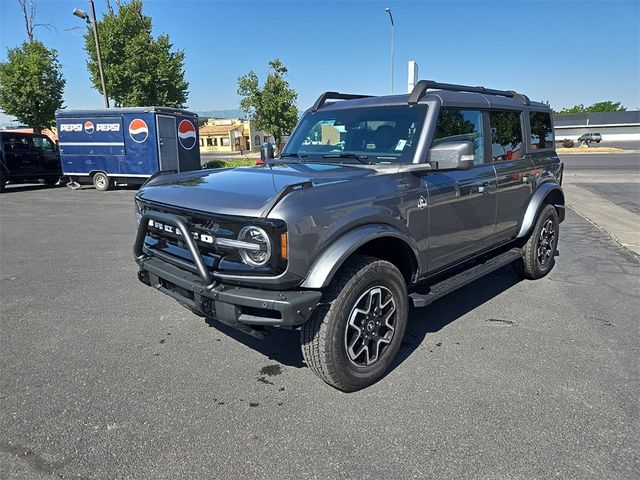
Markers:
360,158
300,156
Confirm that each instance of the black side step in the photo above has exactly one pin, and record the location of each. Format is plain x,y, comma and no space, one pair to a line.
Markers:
440,289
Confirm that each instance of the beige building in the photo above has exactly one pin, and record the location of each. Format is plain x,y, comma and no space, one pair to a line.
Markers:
231,135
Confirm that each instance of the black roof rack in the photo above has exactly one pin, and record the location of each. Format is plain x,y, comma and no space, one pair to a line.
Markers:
423,85
334,96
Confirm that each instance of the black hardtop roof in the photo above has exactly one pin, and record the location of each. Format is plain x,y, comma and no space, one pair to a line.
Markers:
63,112
449,95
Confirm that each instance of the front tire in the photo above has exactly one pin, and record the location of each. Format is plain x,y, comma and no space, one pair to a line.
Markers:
101,182
357,330
539,251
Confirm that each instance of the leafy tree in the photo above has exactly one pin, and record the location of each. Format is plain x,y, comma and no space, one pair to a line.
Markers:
138,69
606,106
31,84
271,107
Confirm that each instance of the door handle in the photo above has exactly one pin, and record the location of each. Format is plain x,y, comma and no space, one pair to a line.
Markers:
484,189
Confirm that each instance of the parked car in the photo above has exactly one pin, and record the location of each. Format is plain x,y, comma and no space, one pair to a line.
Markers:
589,138
28,157
404,200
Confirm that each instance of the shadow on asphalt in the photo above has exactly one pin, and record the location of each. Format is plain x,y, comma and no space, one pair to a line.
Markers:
442,312
283,346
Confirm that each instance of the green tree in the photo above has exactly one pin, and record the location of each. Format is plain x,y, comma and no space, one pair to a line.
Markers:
31,84
138,69
271,107
606,106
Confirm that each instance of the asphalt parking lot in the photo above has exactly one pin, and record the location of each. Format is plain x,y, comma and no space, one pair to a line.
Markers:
104,378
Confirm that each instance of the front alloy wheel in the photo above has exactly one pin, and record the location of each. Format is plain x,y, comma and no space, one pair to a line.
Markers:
371,326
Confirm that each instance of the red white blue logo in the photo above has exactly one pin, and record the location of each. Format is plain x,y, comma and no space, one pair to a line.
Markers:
88,127
187,134
138,130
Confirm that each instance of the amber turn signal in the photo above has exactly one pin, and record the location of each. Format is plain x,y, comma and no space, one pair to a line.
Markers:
283,245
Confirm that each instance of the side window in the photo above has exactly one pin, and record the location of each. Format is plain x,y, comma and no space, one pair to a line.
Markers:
16,143
541,131
460,125
43,144
506,135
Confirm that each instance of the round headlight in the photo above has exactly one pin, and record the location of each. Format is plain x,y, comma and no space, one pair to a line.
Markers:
259,256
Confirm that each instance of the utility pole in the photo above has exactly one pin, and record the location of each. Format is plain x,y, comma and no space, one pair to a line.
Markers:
83,15
388,10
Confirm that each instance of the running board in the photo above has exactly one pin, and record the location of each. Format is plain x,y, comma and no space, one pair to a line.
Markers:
448,285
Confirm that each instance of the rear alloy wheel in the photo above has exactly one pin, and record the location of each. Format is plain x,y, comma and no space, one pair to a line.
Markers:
356,331
539,251
101,182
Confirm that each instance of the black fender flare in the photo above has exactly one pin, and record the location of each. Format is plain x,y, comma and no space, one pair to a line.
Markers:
536,202
327,264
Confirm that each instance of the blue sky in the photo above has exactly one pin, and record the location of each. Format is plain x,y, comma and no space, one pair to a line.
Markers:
561,51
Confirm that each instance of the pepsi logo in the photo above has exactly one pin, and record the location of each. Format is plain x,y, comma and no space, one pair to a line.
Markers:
88,127
187,134
138,130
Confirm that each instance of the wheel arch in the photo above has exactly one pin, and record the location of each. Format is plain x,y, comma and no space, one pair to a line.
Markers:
380,241
549,193
93,172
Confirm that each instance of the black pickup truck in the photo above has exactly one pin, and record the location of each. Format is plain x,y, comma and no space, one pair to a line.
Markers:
28,157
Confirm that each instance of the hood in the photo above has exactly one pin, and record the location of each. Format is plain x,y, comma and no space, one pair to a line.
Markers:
242,191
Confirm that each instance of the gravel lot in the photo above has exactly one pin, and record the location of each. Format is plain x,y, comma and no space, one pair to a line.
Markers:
101,377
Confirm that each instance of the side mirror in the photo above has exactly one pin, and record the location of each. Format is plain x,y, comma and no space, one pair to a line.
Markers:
452,156
266,152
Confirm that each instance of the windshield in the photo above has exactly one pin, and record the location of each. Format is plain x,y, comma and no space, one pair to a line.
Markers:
367,135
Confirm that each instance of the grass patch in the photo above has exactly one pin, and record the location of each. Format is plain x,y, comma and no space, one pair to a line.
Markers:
585,149
229,162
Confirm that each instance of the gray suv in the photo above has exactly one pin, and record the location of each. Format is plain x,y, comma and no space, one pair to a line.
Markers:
375,203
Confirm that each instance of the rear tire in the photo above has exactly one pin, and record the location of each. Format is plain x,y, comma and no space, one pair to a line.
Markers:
539,251
3,180
101,181
51,181
356,332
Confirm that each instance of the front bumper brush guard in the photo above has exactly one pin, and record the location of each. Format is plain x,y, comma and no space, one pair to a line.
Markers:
180,224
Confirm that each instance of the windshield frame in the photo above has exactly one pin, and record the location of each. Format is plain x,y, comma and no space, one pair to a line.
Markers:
294,147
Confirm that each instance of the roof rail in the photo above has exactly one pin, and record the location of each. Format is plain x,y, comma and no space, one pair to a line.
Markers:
423,85
334,96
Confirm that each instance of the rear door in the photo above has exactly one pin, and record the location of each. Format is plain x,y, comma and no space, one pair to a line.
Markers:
514,169
168,142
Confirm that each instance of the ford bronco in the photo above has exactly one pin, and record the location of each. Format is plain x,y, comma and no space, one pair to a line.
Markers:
373,204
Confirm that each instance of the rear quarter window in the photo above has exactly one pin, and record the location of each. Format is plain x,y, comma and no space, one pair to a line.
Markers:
541,130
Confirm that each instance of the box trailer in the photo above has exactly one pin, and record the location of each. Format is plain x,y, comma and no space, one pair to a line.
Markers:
126,145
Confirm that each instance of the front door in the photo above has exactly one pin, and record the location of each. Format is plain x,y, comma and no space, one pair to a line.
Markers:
168,143
514,169
462,202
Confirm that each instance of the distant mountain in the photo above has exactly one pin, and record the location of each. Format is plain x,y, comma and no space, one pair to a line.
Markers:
234,113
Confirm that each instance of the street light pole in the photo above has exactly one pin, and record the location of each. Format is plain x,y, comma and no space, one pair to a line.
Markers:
388,10
82,14
97,37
